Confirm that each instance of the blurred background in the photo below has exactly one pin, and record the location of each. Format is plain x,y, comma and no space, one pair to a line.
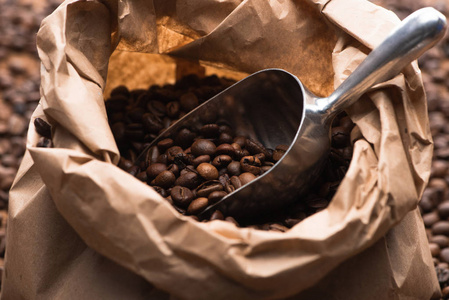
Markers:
19,96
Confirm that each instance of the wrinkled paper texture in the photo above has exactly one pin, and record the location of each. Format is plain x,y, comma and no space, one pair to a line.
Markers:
73,195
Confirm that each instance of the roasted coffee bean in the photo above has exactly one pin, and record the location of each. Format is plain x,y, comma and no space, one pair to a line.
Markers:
151,123
225,149
203,147
221,161
208,187
443,210
197,205
162,159
164,144
190,180
278,154
155,169
234,168
430,218
434,249
264,169
172,152
240,140
184,138
225,138
217,215
441,227
207,171
142,176
181,196
250,164
157,108
188,101
246,177
161,191
444,255
216,196
340,137
134,170
255,147
201,159
42,127
235,181
165,179
440,240
174,169
173,109
210,130
153,155
125,164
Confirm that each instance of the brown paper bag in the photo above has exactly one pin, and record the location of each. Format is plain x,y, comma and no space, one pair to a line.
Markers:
81,228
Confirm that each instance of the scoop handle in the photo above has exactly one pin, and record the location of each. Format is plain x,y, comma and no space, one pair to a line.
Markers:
417,33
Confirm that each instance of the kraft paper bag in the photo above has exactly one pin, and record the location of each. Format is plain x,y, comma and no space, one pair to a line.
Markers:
81,228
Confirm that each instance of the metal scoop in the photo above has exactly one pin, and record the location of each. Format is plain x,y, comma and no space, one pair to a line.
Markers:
273,107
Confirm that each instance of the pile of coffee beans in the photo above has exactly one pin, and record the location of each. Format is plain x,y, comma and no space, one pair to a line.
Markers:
198,165
137,117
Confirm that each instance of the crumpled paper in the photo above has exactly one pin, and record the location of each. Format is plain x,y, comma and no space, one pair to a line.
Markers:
80,227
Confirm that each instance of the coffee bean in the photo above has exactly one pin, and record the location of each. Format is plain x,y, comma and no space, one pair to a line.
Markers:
181,196
240,140
161,191
190,180
434,249
255,147
430,219
208,187
174,169
125,164
440,240
151,123
184,138
201,159
225,149
173,109
246,177
234,168
216,196
165,179
441,227
43,128
207,171
155,169
188,101
278,154
221,161
217,215
197,205
203,147
164,144
250,164
443,209
235,181
444,255
210,130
